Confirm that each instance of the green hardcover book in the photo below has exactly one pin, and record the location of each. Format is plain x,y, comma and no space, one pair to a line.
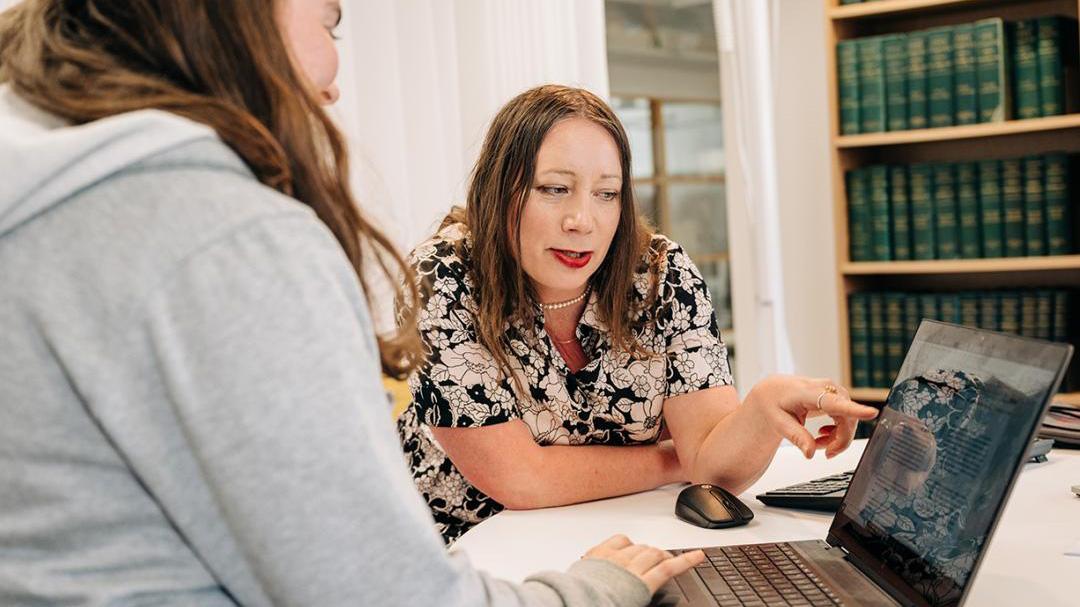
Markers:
991,70
1060,324
1048,53
1012,207
965,82
949,307
901,212
879,362
1029,313
894,334
859,329
847,76
990,310
969,309
967,208
881,225
1044,317
912,318
918,111
946,226
1009,302
939,76
859,228
1058,214
1034,206
990,208
871,84
1025,70
896,97
928,306
920,186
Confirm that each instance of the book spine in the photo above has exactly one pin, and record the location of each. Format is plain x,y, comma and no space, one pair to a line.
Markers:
871,85
1009,302
911,318
1029,313
1048,55
859,232
918,109
1044,317
967,206
859,328
1060,310
878,359
939,76
894,334
1034,206
847,74
1058,215
946,226
928,306
949,307
881,241
965,84
990,209
901,212
990,311
992,74
1025,69
1012,205
920,183
969,309
896,96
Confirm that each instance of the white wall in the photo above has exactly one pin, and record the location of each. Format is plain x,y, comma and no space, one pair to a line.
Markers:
807,230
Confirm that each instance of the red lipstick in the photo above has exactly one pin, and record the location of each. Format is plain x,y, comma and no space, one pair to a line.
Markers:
572,259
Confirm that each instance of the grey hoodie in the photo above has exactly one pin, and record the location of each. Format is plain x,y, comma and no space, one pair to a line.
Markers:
191,410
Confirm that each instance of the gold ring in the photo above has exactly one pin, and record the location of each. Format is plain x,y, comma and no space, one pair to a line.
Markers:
829,389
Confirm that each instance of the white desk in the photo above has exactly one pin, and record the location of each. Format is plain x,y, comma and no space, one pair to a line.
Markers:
1025,565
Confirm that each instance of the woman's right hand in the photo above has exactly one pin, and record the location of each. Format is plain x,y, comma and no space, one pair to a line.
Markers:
651,565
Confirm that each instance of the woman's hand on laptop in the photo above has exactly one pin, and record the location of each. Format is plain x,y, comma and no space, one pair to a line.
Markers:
788,401
651,565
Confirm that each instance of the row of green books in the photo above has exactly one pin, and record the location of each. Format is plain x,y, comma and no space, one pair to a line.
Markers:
882,324
986,71
963,210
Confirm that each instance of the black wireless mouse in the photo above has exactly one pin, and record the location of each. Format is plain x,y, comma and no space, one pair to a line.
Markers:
711,507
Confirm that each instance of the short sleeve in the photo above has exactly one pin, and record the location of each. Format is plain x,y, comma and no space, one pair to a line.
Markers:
696,355
459,385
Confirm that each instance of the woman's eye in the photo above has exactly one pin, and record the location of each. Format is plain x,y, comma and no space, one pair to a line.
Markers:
608,195
553,190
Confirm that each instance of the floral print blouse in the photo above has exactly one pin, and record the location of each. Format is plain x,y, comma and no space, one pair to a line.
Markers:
613,400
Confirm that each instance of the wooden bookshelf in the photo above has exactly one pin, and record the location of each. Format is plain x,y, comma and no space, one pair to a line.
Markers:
1013,138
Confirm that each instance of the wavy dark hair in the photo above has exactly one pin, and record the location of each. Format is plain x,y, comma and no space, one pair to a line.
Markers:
498,189
225,64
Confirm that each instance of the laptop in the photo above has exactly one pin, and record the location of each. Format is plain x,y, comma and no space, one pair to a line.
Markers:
927,493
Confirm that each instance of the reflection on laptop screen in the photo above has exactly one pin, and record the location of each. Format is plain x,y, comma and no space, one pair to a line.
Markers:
934,475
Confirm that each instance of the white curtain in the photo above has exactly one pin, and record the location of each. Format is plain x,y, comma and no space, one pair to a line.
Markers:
747,35
421,79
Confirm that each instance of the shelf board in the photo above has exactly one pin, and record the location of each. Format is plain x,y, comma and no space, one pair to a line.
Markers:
950,133
878,395
882,8
962,266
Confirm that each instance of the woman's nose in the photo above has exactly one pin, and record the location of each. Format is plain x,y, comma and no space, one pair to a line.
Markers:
578,218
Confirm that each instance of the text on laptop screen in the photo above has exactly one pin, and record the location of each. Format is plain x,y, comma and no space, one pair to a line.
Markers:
935,473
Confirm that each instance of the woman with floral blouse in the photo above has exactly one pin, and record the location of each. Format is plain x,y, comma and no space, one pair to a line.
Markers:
566,341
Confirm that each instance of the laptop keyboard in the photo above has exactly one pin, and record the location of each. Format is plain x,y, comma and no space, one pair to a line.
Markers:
761,575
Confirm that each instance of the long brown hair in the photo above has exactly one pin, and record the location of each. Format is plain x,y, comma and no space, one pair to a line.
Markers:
499,187
223,63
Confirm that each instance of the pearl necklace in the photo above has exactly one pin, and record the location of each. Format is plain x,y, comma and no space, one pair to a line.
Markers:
567,303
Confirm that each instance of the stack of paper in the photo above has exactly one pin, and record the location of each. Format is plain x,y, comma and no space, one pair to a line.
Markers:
1062,424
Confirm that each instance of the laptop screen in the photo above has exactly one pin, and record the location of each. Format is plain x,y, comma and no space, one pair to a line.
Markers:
938,468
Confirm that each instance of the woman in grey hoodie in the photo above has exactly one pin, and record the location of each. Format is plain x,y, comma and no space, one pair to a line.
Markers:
191,409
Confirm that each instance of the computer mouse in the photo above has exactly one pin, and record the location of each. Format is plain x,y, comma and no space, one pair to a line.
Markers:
711,507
